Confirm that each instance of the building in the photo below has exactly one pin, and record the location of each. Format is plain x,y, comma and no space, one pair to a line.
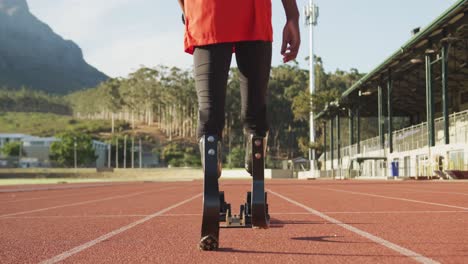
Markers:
419,99
6,138
101,150
36,151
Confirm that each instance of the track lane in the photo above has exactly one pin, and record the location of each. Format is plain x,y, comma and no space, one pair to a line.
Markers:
119,203
51,201
437,236
48,237
85,246
295,236
46,193
399,249
459,199
292,238
5,189
401,196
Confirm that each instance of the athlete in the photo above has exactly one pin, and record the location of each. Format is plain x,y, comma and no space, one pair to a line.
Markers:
214,29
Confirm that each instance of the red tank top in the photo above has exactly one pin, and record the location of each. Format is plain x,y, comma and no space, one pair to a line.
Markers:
220,21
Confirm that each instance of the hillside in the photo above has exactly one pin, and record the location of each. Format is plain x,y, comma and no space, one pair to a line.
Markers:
32,55
48,125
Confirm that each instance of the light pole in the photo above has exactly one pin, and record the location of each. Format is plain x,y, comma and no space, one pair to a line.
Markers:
311,12
109,147
125,152
20,154
116,152
133,151
141,156
74,151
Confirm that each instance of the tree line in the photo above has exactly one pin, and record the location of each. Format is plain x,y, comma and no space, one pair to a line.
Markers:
27,100
166,98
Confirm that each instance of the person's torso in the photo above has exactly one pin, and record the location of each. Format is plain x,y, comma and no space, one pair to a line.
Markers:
217,21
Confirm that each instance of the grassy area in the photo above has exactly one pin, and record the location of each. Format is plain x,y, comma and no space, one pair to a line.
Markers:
52,176
8,182
45,124
55,176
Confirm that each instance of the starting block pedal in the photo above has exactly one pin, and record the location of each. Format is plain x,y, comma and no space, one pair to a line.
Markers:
243,219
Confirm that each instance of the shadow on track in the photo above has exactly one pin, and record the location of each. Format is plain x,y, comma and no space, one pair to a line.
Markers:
328,239
231,250
276,223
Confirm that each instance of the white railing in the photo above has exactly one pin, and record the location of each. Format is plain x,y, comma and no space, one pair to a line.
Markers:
413,137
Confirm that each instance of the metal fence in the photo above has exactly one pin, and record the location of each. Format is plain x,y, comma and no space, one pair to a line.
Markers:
413,137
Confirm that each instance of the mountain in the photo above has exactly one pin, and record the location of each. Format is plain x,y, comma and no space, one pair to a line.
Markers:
32,55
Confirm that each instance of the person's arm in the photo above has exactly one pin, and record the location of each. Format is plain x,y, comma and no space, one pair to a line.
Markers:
182,6
181,3
291,34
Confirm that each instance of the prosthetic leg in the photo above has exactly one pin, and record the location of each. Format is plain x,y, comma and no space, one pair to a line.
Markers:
260,217
254,213
210,149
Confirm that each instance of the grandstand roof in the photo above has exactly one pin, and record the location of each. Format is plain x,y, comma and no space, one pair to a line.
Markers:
408,69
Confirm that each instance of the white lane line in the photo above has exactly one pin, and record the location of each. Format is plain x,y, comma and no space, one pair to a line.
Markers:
98,240
82,203
428,191
40,198
50,197
72,216
55,197
397,198
55,188
121,216
403,251
189,215
399,212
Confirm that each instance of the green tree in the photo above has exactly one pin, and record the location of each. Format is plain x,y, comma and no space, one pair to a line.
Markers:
236,157
179,154
63,151
12,149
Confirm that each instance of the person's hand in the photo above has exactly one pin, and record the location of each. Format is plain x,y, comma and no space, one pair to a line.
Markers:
291,40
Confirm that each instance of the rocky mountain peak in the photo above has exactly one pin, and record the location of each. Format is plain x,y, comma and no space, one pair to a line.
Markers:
13,7
34,56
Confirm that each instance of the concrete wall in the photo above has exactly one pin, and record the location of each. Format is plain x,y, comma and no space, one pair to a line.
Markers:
421,162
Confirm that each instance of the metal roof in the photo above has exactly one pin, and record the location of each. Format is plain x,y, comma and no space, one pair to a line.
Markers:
422,35
7,135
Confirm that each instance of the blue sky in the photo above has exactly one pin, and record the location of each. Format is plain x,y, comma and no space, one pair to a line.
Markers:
118,36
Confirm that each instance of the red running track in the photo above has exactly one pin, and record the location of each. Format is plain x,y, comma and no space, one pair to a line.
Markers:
312,222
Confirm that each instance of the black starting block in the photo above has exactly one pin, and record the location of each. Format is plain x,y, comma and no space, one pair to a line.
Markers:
243,219
254,212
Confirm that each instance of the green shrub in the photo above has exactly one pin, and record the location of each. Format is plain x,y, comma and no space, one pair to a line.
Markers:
178,154
63,151
12,149
236,158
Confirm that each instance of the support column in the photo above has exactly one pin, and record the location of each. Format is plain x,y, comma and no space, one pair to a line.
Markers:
445,97
429,102
338,137
351,126
332,154
381,118
358,136
390,111
325,145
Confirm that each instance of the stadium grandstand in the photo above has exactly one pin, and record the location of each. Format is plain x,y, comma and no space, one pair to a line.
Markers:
418,97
